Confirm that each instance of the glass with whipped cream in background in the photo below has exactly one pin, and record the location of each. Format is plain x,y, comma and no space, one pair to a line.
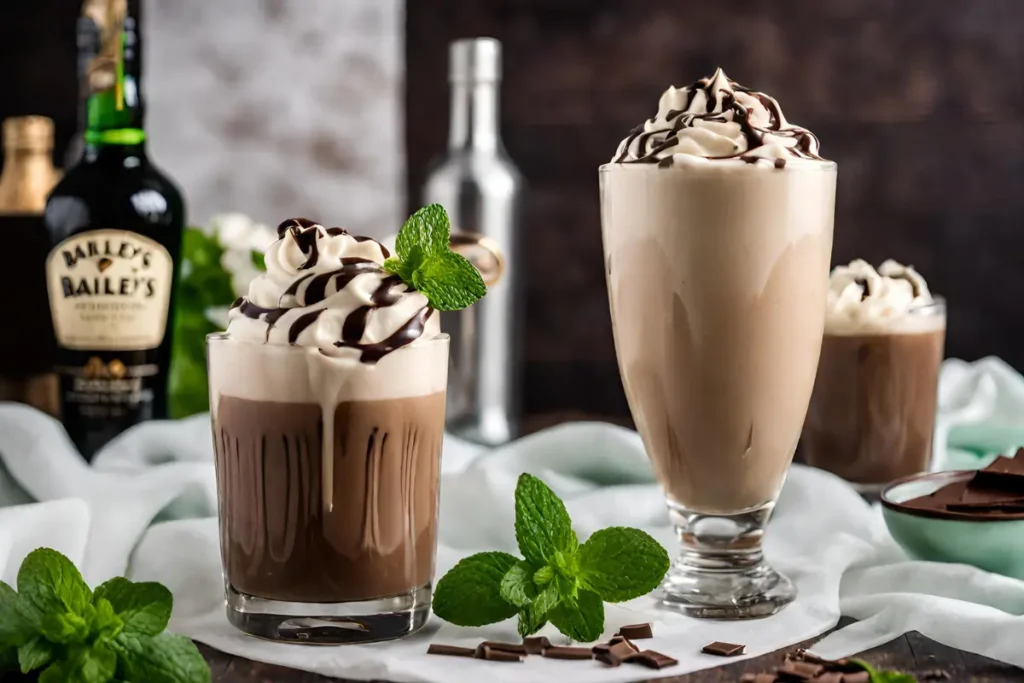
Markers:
327,395
872,413
717,225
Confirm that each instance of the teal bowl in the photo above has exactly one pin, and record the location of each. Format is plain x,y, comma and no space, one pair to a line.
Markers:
996,545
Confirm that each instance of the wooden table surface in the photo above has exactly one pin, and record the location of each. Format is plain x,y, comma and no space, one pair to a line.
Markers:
912,653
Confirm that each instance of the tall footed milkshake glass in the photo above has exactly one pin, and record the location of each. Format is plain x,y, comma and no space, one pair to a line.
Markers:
327,398
717,219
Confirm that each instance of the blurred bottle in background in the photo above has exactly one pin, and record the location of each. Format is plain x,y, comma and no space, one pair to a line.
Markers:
115,223
27,346
94,20
481,189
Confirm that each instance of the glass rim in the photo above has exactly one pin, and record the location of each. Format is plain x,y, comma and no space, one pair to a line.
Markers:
420,342
936,307
816,165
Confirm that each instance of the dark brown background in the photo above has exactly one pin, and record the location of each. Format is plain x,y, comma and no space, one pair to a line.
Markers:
921,102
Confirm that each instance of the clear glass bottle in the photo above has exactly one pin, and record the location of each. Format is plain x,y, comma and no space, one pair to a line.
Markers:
481,189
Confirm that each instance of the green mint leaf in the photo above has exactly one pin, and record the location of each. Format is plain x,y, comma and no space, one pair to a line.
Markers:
145,608
619,563
544,575
546,600
85,664
517,586
105,623
531,620
65,627
35,654
258,260
883,676
428,229
582,619
567,587
166,658
8,660
542,523
50,582
16,627
398,267
449,281
470,593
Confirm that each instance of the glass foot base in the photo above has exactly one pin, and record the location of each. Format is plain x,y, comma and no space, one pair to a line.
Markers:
721,573
332,623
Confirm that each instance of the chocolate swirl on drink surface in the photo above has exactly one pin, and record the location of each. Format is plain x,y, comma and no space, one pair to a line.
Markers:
715,118
326,289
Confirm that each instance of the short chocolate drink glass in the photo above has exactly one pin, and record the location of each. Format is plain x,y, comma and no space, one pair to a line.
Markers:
872,414
327,483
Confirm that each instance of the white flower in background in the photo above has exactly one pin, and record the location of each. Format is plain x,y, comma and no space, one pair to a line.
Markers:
240,236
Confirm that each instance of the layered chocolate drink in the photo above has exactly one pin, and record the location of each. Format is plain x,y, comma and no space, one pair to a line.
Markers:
717,221
872,413
327,400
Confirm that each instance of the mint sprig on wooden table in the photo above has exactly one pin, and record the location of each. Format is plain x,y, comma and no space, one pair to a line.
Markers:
557,579
55,625
426,263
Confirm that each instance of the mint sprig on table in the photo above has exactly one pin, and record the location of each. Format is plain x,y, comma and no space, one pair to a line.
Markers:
54,624
425,262
876,676
558,579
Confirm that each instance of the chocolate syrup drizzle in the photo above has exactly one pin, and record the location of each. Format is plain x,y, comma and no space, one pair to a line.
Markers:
649,144
387,293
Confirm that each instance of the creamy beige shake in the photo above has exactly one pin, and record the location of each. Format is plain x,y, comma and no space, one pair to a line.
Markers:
717,221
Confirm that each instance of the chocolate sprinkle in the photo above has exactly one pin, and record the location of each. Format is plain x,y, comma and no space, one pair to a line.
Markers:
450,650
485,651
558,652
653,660
636,631
720,649
517,648
536,645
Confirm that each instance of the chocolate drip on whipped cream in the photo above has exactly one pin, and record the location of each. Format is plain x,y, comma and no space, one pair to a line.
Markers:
654,142
325,288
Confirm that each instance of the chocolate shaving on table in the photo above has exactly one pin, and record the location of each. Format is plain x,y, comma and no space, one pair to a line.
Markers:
624,651
800,666
485,651
720,649
564,652
536,645
653,660
450,650
607,658
518,648
636,631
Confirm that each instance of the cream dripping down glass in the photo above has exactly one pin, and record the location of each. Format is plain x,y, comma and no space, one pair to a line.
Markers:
327,396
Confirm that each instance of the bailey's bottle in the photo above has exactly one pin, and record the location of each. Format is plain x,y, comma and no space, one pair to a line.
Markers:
115,223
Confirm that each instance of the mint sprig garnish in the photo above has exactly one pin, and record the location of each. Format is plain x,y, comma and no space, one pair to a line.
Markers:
876,676
425,262
558,580
56,625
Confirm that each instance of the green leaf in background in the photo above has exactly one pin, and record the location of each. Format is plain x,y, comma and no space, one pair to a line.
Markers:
202,285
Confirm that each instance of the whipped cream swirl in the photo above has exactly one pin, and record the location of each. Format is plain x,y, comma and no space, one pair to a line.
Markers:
716,118
862,299
326,289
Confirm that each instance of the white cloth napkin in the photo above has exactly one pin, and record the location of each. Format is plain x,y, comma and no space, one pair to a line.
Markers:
145,509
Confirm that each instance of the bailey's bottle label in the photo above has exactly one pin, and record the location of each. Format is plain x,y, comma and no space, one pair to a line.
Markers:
109,290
